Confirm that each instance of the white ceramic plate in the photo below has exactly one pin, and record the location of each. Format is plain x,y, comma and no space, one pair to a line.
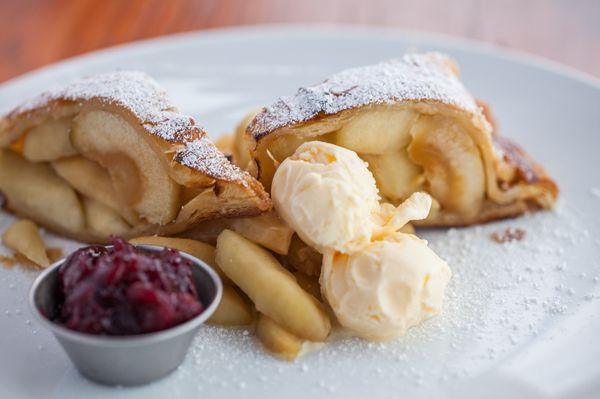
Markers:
521,319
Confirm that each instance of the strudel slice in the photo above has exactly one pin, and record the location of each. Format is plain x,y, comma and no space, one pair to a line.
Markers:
110,154
412,120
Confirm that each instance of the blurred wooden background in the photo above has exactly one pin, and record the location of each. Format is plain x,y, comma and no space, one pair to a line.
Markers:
37,32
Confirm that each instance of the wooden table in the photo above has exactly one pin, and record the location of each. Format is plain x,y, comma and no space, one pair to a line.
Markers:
37,32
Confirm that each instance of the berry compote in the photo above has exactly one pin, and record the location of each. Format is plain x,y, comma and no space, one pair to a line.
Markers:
126,290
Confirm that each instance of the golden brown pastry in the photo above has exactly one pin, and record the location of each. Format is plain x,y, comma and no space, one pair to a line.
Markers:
110,154
419,129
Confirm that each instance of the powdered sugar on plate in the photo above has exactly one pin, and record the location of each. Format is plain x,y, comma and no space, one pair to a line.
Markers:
414,77
501,297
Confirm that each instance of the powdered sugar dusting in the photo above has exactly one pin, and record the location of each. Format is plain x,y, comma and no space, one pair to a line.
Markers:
132,90
150,104
414,77
202,155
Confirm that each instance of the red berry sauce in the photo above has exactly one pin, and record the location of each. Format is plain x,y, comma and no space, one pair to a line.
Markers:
126,290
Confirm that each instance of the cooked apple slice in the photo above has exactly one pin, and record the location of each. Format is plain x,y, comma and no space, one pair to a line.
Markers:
140,179
34,191
54,253
23,237
283,147
103,221
207,231
23,261
49,141
452,164
233,310
267,230
396,175
89,178
241,151
277,340
271,287
378,131
93,181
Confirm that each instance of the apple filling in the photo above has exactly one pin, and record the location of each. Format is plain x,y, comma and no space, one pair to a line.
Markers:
94,175
82,176
35,191
406,150
140,180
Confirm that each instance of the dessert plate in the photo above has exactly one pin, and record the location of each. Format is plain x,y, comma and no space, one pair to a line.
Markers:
521,319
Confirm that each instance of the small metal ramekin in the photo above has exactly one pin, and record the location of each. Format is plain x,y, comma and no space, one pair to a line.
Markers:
130,359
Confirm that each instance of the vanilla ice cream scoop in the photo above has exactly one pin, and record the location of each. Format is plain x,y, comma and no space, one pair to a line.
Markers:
389,286
328,196
378,281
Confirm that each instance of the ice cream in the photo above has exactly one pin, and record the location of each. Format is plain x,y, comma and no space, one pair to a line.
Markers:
390,219
378,281
391,285
327,195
